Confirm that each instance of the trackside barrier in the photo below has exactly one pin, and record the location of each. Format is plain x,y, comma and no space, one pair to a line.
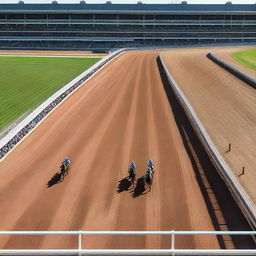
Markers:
235,71
31,121
242,198
171,251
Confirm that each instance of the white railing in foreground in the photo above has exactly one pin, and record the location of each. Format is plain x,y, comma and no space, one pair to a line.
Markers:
171,251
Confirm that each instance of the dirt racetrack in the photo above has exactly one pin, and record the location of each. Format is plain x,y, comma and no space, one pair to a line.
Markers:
122,114
224,104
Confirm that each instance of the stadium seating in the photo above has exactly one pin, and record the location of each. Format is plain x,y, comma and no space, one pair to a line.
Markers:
99,26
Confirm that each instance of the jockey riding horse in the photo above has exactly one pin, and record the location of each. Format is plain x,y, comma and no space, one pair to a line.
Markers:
132,172
65,166
148,178
151,165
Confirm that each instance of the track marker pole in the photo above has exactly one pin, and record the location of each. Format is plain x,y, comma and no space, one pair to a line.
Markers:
229,148
243,171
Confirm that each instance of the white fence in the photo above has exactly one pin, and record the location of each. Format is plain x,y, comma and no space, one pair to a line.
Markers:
172,251
17,134
242,198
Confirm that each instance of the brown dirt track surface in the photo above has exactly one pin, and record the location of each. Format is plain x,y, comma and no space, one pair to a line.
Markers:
224,104
121,114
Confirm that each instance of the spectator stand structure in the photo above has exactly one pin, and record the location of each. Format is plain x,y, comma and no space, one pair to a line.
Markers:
107,26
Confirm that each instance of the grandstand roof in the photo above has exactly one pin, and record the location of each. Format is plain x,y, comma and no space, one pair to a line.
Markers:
130,8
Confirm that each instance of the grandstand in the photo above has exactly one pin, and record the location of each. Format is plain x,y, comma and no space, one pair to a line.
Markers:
109,26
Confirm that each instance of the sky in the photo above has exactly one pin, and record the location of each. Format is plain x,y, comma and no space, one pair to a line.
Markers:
135,1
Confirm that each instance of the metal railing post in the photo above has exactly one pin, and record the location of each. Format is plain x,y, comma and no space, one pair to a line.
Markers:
173,243
80,242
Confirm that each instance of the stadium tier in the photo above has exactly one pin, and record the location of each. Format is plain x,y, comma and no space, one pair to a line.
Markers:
109,26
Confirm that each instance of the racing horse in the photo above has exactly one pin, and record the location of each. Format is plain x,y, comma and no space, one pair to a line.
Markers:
151,166
132,173
65,167
148,178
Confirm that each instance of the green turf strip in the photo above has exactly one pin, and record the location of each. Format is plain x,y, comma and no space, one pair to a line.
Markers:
247,58
25,82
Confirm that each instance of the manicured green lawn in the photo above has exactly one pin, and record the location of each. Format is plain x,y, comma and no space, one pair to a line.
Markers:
247,58
25,82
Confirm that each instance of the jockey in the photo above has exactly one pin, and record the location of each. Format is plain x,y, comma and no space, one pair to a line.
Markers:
149,171
132,168
150,163
132,171
132,165
66,162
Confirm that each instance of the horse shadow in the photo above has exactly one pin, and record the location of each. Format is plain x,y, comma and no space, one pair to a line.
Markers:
56,179
140,188
123,185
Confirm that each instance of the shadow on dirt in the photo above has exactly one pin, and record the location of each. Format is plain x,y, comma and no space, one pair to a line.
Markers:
139,188
123,185
126,185
56,179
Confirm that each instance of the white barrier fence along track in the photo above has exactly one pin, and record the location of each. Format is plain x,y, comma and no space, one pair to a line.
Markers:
242,198
233,70
172,251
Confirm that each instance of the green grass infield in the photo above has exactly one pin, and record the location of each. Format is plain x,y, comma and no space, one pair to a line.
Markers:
247,58
25,82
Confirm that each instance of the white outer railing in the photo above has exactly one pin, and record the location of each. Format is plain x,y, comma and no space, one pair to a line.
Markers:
171,251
